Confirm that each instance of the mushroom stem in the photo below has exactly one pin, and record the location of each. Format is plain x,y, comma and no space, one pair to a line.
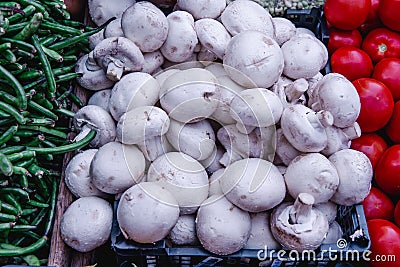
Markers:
295,90
322,118
115,69
352,132
244,129
91,63
301,210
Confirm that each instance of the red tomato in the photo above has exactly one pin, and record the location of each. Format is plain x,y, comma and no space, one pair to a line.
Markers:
377,205
340,38
389,11
387,171
385,241
351,62
373,20
381,43
393,127
376,104
346,15
372,145
387,71
397,214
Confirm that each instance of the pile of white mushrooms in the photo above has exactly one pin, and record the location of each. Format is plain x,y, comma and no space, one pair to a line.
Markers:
215,128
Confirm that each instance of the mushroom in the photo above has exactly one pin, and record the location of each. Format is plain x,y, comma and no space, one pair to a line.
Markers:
260,234
114,29
93,78
302,30
222,228
215,186
147,212
253,184
335,93
181,39
329,209
95,39
314,174
304,56
242,15
257,107
335,233
118,55
252,59
77,176
203,8
340,138
86,223
190,95
212,36
183,176
284,29
152,61
142,123
304,128
299,226
100,11
212,163
217,69
133,90
189,63
162,76
154,147
355,175
206,57
145,25
284,150
101,99
116,167
184,231
96,118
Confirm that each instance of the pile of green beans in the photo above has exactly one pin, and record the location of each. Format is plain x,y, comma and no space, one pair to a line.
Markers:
39,47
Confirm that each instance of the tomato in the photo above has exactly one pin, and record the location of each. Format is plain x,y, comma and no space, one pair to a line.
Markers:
351,62
397,214
389,11
340,38
372,145
387,171
381,43
387,71
346,15
393,127
377,205
373,20
376,104
385,241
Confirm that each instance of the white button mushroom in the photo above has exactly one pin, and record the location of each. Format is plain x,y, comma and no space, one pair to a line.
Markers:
134,90
101,99
215,187
261,235
116,167
355,175
77,176
314,174
242,15
252,59
152,62
284,29
154,147
329,209
114,29
142,123
100,11
202,8
299,226
146,25
253,184
96,118
334,234
190,95
147,212
86,224
222,228
183,176
212,163
184,231
284,150
340,138
217,69
304,56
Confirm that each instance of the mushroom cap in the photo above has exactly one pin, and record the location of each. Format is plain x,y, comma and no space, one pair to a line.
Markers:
134,90
183,176
329,209
212,36
355,175
146,25
284,29
147,212
334,234
222,228
253,59
215,187
217,69
190,95
86,223
212,163
242,15
101,11
101,99
114,29
154,147
260,234
116,167
162,76
184,231
253,184
77,176
304,56
314,174
194,139
258,107
152,61
141,123
203,8
284,150
99,120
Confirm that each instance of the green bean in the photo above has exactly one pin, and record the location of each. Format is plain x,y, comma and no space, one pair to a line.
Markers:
65,112
4,115
23,228
21,44
12,149
23,221
37,204
41,122
4,183
13,112
42,129
41,100
6,167
32,260
49,39
15,28
26,250
30,28
5,46
27,11
38,108
38,6
25,55
30,74
8,98
6,121
53,201
9,56
11,4
24,163
7,217
15,139
23,179
68,77
52,54
21,155
27,212
19,90
21,171
9,209
12,201
8,134
63,70
34,84
16,191
56,27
